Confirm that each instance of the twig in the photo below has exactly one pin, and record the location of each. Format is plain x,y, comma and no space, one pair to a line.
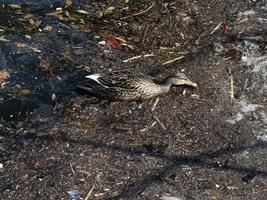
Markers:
90,192
85,172
170,16
216,28
139,13
137,57
148,127
159,122
173,60
144,34
155,104
93,187
231,85
72,169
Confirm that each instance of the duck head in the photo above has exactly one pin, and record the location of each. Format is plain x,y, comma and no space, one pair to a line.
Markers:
180,79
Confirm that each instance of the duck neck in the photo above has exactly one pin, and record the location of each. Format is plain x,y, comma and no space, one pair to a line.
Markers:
166,85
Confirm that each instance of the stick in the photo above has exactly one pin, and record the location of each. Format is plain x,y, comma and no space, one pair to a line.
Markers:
72,169
216,28
90,192
149,127
155,104
139,13
159,122
137,57
93,187
144,34
173,60
231,85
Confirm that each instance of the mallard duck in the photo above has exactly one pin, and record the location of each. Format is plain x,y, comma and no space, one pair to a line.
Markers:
126,86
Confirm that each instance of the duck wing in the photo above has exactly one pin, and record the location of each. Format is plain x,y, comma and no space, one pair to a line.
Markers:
115,79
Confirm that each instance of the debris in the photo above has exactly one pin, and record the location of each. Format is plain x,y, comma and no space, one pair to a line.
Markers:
173,60
68,2
45,65
47,28
93,187
24,91
148,127
58,14
137,57
226,29
155,104
109,10
3,39
216,28
144,33
231,86
140,13
244,16
218,47
103,43
73,194
113,42
79,51
4,75
159,122
14,6
53,97
23,45
232,53
71,166
169,198
84,12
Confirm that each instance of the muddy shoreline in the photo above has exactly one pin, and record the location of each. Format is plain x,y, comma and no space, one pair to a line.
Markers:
57,142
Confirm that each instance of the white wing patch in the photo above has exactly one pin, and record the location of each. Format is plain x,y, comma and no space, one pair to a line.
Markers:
94,77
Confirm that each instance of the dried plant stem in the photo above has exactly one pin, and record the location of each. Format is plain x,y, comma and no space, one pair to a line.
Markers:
138,57
139,13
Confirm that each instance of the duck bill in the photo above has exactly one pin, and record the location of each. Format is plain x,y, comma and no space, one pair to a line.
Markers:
190,83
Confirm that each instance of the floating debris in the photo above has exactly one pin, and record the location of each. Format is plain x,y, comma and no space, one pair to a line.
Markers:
3,39
73,194
4,75
138,57
169,198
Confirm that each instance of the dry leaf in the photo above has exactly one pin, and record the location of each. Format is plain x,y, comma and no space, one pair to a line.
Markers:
14,6
4,75
31,21
182,14
113,42
45,65
79,51
24,91
28,16
120,39
57,14
3,39
68,2
23,45
47,28
109,10
53,97
83,12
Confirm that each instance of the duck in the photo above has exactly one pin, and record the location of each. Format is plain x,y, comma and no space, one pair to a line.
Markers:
129,86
